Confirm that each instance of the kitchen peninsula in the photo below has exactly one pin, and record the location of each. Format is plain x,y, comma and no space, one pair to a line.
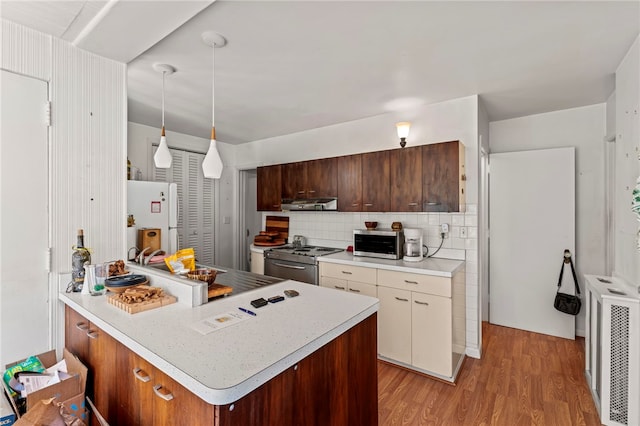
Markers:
307,360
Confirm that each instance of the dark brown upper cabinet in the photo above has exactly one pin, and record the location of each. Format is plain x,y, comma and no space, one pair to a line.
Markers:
310,179
294,180
350,183
375,181
443,177
322,178
269,188
406,179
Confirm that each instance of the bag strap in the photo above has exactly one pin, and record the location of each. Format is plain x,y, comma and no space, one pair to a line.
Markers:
567,259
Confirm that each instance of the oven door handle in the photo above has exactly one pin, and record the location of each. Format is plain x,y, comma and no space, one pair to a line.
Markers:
289,266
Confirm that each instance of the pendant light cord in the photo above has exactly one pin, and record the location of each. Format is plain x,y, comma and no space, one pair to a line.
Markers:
163,73
213,85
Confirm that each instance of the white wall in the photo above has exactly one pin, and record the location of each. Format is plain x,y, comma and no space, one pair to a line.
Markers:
139,152
452,120
627,170
584,129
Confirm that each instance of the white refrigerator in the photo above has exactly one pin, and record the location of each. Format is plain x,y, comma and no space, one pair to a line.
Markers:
155,205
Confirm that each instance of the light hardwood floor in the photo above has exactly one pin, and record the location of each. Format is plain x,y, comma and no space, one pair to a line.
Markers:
523,378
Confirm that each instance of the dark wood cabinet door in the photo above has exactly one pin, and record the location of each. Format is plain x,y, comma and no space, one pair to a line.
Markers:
102,368
322,178
350,183
294,180
375,181
135,406
173,404
269,188
442,176
406,179
75,336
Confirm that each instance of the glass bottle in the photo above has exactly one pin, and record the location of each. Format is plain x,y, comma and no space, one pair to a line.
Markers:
79,258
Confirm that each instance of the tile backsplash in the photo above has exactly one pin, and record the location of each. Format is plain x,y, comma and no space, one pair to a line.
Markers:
335,229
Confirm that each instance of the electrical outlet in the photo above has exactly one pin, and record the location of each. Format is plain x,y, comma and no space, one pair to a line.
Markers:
463,232
444,228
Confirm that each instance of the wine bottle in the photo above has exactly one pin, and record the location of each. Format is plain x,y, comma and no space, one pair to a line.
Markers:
79,258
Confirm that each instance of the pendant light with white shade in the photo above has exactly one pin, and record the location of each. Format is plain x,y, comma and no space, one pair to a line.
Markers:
212,163
162,158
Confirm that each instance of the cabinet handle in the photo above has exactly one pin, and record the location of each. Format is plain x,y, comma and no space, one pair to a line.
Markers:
300,192
82,326
432,203
276,205
410,282
421,303
347,272
368,204
166,396
145,378
413,204
338,287
311,191
355,290
355,204
401,299
92,334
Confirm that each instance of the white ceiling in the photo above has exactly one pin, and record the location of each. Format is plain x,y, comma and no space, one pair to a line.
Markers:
291,66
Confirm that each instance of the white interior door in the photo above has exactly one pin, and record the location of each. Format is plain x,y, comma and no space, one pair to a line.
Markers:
532,222
24,230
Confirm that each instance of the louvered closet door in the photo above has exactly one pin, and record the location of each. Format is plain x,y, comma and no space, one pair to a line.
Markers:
196,211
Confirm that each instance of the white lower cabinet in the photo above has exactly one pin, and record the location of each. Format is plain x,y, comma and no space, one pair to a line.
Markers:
394,324
431,333
421,318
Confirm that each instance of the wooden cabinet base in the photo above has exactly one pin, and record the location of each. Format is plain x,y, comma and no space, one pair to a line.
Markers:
335,385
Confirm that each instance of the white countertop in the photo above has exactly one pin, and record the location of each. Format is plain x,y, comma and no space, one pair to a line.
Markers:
429,266
225,365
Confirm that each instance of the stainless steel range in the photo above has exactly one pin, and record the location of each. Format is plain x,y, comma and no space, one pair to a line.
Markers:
300,264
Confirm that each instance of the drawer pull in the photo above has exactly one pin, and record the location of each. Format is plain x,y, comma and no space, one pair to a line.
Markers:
82,326
413,204
338,287
410,282
355,204
368,204
166,396
421,303
401,299
355,290
146,378
311,191
92,334
347,272
300,192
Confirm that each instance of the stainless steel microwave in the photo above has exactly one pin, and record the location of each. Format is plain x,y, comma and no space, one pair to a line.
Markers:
381,243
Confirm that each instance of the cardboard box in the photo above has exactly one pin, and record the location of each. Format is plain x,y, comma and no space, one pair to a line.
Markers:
69,391
7,416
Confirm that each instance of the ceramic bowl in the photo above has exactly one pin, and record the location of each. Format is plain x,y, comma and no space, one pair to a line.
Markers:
371,225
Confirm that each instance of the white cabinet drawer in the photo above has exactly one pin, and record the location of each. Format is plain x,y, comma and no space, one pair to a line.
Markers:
331,282
348,272
362,288
439,286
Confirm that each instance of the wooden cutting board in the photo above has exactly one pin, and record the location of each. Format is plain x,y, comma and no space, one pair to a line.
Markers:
134,308
216,290
278,224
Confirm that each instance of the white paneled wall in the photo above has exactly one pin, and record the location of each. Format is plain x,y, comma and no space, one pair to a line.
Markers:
88,151
335,229
87,147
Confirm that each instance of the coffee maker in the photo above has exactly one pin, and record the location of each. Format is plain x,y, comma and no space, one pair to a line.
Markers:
413,245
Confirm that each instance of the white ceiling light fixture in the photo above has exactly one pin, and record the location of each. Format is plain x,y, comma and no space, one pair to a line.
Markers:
212,163
162,158
403,132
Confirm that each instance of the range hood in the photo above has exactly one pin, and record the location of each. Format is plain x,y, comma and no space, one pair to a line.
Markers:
310,204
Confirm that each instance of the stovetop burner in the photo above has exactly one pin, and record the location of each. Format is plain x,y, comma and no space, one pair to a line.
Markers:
306,251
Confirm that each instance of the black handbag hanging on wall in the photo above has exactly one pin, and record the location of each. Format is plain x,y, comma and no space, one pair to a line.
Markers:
568,303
